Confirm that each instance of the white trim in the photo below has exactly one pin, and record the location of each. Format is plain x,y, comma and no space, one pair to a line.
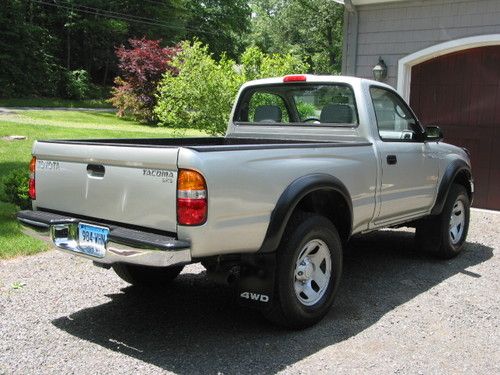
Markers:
406,63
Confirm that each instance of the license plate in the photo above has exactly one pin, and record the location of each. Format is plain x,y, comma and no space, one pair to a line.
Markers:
92,239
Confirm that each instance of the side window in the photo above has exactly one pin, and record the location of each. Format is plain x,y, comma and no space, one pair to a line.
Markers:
394,119
266,107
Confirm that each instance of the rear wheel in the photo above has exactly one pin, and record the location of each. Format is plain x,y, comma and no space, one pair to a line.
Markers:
309,266
147,276
445,234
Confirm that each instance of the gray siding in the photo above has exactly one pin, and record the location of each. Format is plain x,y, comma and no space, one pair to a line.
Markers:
395,30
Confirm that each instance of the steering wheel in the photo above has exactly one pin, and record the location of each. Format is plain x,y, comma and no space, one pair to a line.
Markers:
307,119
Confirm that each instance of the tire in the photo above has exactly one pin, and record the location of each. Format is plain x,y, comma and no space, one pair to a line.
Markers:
308,271
147,276
444,234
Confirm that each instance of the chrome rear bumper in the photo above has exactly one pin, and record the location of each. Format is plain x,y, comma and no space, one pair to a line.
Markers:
124,245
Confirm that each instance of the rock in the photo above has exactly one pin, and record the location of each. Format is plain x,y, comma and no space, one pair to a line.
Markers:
14,137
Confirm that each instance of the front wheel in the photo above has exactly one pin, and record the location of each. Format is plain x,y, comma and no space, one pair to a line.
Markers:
147,276
445,234
309,266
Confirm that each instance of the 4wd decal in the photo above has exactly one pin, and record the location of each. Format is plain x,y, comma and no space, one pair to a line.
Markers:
255,296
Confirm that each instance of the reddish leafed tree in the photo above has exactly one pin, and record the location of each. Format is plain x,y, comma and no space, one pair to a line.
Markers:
142,66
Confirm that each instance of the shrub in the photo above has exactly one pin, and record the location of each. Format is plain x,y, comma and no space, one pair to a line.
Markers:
77,84
201,93
16,188
200,96
256,64
142,66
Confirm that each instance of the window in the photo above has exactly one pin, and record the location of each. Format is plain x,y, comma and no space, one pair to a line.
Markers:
267,107
298,104
394,119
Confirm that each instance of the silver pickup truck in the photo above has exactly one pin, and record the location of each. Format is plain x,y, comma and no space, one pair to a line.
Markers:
307,162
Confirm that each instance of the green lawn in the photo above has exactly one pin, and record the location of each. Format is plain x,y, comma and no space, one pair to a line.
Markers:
55,125
55,102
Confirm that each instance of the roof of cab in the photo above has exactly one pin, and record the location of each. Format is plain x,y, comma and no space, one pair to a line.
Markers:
312,78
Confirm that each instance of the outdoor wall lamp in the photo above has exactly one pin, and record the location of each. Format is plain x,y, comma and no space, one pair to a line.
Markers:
380,70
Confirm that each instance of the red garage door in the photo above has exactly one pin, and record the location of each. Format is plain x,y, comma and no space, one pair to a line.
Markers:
460,92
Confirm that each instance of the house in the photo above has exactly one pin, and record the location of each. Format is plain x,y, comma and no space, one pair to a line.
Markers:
443,56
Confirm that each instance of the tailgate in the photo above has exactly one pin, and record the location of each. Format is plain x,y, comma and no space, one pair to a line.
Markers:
133,185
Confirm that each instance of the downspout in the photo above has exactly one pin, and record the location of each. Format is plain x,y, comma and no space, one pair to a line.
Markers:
350,46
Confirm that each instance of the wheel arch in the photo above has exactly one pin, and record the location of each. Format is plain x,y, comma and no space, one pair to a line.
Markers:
457,172
317,193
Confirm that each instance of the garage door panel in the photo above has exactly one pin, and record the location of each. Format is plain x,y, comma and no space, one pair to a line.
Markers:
494,178
460,92
478,142
482,104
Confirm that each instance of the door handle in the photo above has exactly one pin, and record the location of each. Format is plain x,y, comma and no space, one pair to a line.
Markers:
95,170
392,159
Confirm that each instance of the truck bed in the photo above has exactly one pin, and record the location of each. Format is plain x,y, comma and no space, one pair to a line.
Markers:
206,144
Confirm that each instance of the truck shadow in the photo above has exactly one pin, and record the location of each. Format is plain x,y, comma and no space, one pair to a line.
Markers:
197,327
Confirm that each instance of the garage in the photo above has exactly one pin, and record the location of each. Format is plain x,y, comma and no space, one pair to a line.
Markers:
460,92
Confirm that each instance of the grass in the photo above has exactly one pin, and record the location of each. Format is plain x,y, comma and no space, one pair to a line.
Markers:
55,125
55,102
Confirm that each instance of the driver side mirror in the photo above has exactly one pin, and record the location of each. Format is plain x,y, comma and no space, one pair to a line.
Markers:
433,133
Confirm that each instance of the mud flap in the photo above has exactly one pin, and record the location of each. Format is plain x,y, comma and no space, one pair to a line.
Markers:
256,281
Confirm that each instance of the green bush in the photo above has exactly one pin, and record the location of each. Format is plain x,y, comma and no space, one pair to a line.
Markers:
16,188
78,85
201,94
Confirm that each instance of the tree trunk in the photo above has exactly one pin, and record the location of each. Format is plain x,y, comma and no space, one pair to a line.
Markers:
106,70
331,52
68,49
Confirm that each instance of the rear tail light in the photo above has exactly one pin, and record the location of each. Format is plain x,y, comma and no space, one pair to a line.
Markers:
192,205
32,187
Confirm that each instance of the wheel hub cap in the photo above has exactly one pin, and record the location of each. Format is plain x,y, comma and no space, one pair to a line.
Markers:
312,272
304,270
457,222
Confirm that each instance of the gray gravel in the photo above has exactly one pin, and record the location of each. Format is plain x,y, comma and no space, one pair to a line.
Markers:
398,311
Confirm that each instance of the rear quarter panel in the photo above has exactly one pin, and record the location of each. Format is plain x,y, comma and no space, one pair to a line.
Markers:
244,187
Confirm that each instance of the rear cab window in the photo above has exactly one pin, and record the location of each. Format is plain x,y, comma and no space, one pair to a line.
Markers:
311,104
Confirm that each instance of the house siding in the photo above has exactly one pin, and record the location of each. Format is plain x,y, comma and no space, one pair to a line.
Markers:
395,30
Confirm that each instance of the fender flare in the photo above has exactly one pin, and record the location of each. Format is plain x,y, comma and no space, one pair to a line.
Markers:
291,197
451,172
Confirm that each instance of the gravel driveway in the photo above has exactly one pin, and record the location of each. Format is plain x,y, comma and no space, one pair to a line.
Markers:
398,311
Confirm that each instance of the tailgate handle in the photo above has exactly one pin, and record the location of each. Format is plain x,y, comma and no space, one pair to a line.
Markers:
95,170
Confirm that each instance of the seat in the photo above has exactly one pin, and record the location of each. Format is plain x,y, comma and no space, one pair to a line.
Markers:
336,114
267,113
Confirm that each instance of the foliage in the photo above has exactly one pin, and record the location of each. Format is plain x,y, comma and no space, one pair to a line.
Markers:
15,189
27,62
308,28
142,67
77,84
306,110
257,64
49,38
54,102
220,24
201,95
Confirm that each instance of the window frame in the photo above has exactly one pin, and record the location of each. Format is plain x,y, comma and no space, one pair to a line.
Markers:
419,135
293,111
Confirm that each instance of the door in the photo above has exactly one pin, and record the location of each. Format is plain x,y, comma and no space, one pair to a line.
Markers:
409,177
